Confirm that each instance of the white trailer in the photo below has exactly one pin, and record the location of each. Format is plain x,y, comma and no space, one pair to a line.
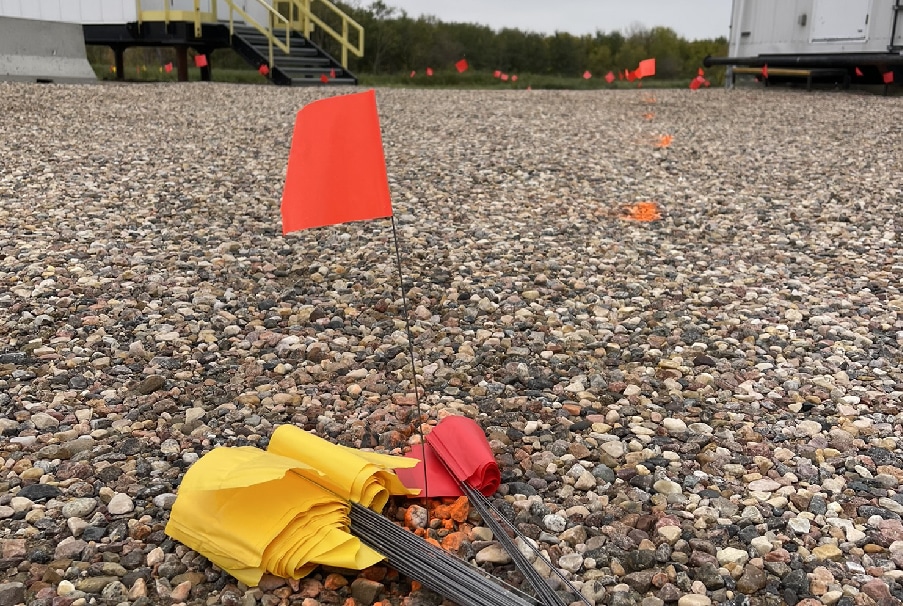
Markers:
862,37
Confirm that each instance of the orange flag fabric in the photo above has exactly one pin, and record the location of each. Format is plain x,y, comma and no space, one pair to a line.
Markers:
200,60
765,71
497,73
610,77
264,69
504,77
888,77
336,166
646,68
587,75
429,71
461,66
858,72
514,78
167,67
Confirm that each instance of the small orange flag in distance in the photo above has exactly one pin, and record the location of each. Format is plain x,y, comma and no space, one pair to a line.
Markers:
497,73
336,166
700,72
429,71
324,78
461,66
413,73
765,71
200,60
504,77
332,73
609,77
587,75
264,69
858,72
168,67
646,68
514,78
888,77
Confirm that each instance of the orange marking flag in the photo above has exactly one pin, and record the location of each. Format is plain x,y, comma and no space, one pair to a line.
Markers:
765,71
200,60
587,75
643,211
858,72
504,77
664,141
429,71
168,67
461,66
324,78
646,68
336,166
700,72
332,74
888,77
609,77
514,78
497,74
264,69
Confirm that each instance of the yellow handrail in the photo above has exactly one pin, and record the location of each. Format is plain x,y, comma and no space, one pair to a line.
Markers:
266,31
308,16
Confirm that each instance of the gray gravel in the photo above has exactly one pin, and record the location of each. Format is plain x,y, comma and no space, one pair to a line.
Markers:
704,409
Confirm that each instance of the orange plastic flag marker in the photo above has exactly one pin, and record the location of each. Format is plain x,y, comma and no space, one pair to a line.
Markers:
324,78
168,67
336,166
332,73
497,74
429,71
858,72
646,68
700,72
888,77
631,76
514,78
200,60
706,83
264,69
504,77
609,77
664,141
413,73
587,75
765,71
643,211
461,66
695,83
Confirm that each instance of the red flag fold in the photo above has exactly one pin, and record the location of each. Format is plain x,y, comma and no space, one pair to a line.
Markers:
429,71
167,67
609,77
765,71
888,77
336,166
461,66
587,75
264,69
858,72
497,74
200,60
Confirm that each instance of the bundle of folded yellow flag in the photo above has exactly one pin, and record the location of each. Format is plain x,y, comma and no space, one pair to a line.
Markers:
284,510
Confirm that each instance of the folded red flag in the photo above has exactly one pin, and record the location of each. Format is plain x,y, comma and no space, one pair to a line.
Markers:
497,74
888,77
765,71
429,71
332,73
413,73
504,77
264,69
200,60
646,68
858,72
695,83
462,445
324,78
700,72
514,78
631,76
587,75
609,77
336,166
168,67
461,66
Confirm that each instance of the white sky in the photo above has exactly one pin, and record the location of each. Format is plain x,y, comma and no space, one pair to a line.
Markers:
692,19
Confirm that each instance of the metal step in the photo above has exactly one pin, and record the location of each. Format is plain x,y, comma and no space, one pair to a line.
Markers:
317,82
292,62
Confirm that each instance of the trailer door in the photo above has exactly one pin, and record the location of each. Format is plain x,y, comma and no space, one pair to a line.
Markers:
838,20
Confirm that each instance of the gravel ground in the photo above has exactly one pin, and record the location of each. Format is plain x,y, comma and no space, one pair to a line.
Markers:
702,409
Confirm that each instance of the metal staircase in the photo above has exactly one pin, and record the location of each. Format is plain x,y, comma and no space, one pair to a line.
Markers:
306,64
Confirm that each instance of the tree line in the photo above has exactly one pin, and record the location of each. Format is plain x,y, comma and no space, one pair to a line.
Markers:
396,43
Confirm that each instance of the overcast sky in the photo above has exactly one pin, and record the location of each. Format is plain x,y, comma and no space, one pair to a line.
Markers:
692,19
